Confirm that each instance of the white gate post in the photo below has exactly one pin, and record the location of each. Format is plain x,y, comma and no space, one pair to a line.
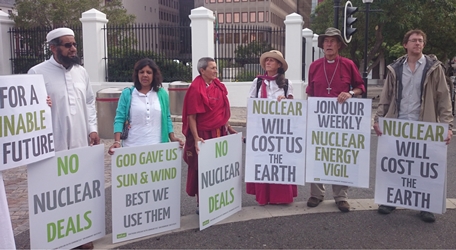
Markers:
202,24
94,44
318,52
5,44
293,52
308,35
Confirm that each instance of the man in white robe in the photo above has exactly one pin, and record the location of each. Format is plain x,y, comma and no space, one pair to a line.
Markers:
74,117
67,83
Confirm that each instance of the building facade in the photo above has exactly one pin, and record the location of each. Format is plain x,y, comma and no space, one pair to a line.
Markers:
7,6
270,13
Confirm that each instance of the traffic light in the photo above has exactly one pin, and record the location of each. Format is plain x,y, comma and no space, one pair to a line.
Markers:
349,20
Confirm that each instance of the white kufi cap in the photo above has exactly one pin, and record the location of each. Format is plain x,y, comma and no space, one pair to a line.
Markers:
53,34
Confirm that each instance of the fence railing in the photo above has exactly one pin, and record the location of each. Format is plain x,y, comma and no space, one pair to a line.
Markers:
238,49
29,47
169,46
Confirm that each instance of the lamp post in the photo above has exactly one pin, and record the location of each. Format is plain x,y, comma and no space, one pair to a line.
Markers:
336,13
367,2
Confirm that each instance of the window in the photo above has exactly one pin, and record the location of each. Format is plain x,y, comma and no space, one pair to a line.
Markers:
236,0
229,38
252,37
228,17
221,38
261,37
220,17
244,0
236,38
220,1
212,1
252,17
267,16
236,17
244,17
245,38
260,16
227,1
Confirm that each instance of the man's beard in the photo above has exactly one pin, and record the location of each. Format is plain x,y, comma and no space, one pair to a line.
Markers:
66,60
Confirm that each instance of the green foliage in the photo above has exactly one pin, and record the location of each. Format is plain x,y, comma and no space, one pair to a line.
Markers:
437,18
120,67
58,13
245,76
250,53
395,51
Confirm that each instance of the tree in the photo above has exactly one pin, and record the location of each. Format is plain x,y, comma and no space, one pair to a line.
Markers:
250,53
437,18
35,18
49,14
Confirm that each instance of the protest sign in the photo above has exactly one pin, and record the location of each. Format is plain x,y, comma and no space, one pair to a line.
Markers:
411,165
338,144
25,121
67,198
6,229
146,189
220,179
275,143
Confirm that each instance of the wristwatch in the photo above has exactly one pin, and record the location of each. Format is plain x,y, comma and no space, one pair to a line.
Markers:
351,92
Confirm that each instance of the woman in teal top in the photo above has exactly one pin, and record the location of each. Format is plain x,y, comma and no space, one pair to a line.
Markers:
147,106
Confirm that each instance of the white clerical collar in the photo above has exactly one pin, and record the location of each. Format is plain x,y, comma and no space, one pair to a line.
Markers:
331,61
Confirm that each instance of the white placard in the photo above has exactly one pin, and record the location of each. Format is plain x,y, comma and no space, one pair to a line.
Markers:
146,190
338,141
276,141
25,121
67,198
6,229
219,179
412,165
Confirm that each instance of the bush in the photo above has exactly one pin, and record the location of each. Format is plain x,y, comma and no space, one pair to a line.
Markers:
120,66
245,76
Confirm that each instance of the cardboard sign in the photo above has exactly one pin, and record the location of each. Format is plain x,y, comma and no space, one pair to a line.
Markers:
276,141
338,141
220,179
25,121
412,165
67,198
146,190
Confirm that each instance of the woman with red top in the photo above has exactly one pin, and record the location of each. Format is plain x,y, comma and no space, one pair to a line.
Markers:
273,86
205,115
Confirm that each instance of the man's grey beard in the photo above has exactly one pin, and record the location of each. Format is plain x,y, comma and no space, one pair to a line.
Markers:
66,60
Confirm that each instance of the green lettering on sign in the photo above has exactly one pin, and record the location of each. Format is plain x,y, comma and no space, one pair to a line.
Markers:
221,149
65,165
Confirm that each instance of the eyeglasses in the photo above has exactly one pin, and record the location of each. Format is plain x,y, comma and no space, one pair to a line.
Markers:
69,45
416,40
